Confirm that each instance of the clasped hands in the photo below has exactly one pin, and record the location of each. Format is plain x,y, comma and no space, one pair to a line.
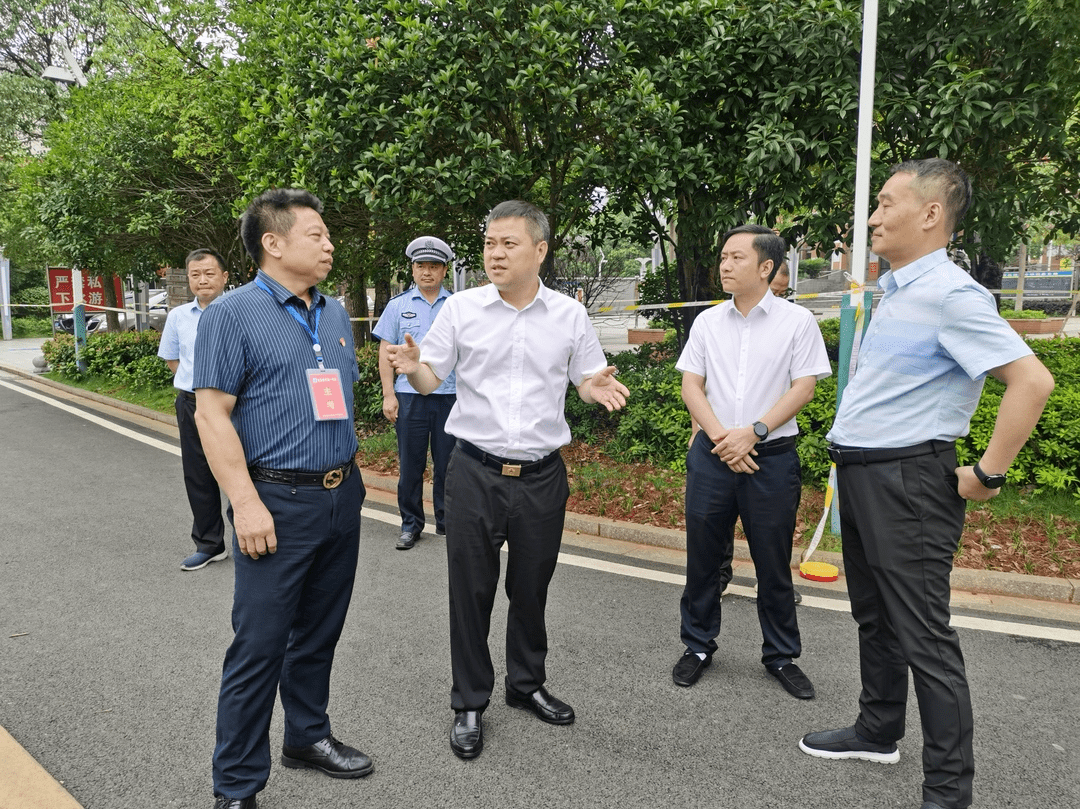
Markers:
735,448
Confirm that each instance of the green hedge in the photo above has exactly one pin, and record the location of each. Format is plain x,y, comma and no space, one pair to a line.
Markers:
655,426
367,393
127,359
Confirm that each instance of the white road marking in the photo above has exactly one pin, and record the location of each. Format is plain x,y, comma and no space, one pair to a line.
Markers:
116,428
834,604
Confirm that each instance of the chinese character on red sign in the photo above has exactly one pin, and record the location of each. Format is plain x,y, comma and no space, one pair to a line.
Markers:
63,300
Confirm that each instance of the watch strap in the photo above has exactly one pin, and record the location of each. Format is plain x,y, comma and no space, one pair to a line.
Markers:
989,481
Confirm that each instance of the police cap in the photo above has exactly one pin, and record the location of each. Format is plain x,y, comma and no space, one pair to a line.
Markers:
428,248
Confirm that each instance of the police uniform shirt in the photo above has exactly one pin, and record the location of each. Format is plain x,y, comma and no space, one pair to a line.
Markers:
410,313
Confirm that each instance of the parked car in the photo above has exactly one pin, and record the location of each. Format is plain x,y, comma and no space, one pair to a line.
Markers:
95,321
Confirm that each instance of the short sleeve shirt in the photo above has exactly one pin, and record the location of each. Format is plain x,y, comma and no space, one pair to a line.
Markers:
249,346
922,364
410,313
178,342
512,368
750,362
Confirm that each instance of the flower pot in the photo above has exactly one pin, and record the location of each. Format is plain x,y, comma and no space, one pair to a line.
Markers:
1045,326
639,336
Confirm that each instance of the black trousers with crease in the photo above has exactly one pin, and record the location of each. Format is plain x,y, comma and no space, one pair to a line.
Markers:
484,509
901,522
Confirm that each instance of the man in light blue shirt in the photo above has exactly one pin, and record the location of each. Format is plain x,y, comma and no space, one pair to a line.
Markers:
206,278
418,420
934,338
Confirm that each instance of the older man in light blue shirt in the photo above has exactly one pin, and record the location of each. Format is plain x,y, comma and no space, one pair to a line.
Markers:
206,278
934,338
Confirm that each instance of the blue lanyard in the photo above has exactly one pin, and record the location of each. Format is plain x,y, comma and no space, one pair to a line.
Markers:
299,318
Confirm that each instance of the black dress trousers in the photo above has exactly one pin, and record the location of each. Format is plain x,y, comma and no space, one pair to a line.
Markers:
901,522
204,496
484,509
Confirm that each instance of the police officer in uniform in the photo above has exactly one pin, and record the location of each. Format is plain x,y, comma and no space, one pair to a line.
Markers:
420,421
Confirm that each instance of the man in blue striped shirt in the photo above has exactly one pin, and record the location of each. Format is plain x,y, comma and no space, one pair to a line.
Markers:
933,340
274,374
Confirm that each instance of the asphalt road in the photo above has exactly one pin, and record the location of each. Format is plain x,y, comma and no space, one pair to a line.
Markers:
111,658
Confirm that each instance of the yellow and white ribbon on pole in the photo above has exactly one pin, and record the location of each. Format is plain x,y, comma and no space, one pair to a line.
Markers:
820,571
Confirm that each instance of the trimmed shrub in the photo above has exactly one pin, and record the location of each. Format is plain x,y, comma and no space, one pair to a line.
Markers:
367,393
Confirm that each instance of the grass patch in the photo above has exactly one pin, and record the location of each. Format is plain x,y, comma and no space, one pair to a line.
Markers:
161,400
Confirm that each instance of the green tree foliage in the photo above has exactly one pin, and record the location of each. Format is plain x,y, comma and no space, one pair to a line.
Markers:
730,111
418,115
994,86
134,176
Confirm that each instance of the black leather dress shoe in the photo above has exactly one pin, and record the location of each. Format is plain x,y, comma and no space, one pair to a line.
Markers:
688,668
541,703
407,540
794,681
467,734
221,802
332,757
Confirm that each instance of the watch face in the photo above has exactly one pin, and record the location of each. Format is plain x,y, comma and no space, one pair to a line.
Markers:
760,430
994,481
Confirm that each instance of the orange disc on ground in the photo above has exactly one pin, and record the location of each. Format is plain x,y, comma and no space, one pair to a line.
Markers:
819,571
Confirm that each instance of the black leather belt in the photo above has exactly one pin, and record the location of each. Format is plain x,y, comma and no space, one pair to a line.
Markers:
507,466
774,447
328,480
848,455
186,394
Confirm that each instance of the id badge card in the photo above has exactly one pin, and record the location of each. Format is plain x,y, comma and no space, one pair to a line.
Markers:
327,395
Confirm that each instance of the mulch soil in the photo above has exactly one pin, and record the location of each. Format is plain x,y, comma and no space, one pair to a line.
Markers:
649,495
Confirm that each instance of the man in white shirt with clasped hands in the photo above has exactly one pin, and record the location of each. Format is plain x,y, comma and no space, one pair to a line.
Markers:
514,344
749,365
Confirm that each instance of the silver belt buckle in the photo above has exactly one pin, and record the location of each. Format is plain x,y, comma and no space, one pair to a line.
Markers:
511,470
332,479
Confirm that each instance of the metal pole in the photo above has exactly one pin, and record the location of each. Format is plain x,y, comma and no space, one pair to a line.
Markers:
78,315
793,269
862,207
5,295
865,137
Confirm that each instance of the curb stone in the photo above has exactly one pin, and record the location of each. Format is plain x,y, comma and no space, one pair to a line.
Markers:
1044,588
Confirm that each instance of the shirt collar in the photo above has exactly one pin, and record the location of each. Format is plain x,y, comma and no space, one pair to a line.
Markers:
283,295
915,270
767,302
416,293
543,294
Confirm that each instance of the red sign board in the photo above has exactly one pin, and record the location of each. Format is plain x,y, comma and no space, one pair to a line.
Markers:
62,299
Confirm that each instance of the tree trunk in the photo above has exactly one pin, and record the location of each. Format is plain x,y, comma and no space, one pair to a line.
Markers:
695,257
988,273
112,319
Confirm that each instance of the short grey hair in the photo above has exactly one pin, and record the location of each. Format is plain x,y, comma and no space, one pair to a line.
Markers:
942,177
535,219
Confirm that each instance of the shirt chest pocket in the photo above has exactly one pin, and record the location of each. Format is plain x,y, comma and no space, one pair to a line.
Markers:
411,324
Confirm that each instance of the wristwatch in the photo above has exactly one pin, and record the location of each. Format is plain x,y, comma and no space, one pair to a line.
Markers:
761,430
989,481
